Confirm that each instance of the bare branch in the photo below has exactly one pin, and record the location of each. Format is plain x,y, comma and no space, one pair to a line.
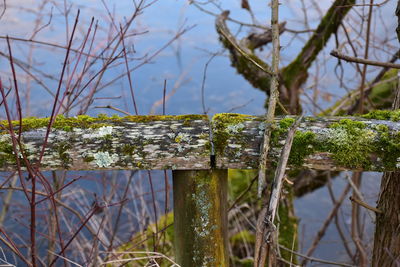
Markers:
337,54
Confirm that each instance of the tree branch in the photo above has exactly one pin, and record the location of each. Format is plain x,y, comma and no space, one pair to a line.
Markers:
295,74
339,55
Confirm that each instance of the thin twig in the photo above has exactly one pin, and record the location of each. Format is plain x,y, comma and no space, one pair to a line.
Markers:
164,95
243,193
51,44
356,232
118,218
273,96
361,198
115,108
203,82
153,198
13,247
337,54
127,70
53,112
312,259
4,9
326,223
365,205
64,258
232,41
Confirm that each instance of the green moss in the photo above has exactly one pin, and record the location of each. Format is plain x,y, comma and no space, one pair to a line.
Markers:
278,131
107,137
103,116
296,72
106,145
388,147
349,125
62,148
287,224
382,94
128,150
67,128
6,153
88,159
380,98
247,262
86,122
256,77
225,125
232,118
383,115
61,123
149,118
351,143
243,236
148,239
303,146
286,123
310,119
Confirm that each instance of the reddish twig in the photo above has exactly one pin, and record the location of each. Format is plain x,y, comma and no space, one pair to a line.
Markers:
127,71
119,214
14,247
64,247
53,112
13,140
67,91
33,220
58,190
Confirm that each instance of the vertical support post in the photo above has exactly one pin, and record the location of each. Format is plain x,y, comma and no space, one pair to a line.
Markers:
201,218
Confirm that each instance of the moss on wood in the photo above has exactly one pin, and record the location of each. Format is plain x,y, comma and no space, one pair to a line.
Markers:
87,122
225,126
200,217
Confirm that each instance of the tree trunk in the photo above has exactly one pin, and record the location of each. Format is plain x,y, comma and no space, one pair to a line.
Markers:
387,233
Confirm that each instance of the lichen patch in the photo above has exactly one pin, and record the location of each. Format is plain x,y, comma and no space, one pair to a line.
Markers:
104,159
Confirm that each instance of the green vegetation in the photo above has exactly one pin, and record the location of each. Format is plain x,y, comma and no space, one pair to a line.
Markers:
149,239
303,146
383,115
225,126
239,181
351,143
85,122
6,152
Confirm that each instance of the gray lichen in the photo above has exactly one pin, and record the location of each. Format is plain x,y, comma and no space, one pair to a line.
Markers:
104,159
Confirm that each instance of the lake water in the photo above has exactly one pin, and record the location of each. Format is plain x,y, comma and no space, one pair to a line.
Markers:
182,65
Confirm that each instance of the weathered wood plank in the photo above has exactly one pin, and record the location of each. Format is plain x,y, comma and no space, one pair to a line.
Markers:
183,142
324,143
135,142
200,218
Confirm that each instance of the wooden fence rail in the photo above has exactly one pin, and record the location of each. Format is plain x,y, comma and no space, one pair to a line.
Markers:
199,151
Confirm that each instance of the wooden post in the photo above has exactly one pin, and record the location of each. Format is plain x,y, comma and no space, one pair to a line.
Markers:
200,218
